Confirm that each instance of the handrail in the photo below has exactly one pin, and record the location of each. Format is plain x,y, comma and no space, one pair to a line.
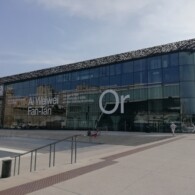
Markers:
56,142
73,140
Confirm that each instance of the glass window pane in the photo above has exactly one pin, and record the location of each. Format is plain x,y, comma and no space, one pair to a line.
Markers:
186,58
155,76
94,82
188,105
127,67
115,69
165,61
170,75
74,76
32,87
140,77
127,79
154,62
67,76
104,71
170,60
171,90
155,92
115,80
84,74
140,94
74,84
155,107
104,81
187,73
174,59
94,72
67,85
140,65
187,89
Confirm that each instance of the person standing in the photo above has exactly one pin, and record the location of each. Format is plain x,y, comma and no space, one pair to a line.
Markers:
173,127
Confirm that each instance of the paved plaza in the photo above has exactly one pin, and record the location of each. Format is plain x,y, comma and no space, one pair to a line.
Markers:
162,164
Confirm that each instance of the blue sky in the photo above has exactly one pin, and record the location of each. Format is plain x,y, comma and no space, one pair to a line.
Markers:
37,34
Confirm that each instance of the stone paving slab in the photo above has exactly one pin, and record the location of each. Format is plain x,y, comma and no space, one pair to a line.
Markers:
82,171
107,137
126,178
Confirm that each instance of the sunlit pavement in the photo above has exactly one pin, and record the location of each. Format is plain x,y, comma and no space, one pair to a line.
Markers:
161,167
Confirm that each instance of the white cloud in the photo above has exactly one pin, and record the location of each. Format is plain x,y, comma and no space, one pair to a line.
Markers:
145,9
98,9
172,15
169,21
110,27
163,18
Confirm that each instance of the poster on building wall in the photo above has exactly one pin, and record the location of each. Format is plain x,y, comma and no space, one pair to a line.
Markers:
1,90
77,98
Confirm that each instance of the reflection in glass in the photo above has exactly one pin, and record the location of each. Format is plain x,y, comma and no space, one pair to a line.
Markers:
127,67
140,77
155,92
140,65
188,105
171,90
154,62
155,76
187,73
186,58
170,75
187,89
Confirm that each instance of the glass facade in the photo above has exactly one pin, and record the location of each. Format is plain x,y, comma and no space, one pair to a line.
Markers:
146,95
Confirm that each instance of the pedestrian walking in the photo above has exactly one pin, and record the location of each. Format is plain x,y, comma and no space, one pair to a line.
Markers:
193,128
173,127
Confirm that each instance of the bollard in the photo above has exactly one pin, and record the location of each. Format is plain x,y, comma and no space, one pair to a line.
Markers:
6,168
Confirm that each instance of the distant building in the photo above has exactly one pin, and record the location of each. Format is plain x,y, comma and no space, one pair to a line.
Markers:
143,90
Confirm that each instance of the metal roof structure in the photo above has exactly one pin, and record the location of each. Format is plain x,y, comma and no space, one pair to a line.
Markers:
186,45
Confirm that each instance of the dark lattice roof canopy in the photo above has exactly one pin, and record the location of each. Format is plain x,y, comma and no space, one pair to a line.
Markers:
186,45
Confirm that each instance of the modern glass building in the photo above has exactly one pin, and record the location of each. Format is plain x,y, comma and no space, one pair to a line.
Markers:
143,90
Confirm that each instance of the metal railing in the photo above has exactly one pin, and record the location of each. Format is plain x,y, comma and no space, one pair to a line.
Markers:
52,158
